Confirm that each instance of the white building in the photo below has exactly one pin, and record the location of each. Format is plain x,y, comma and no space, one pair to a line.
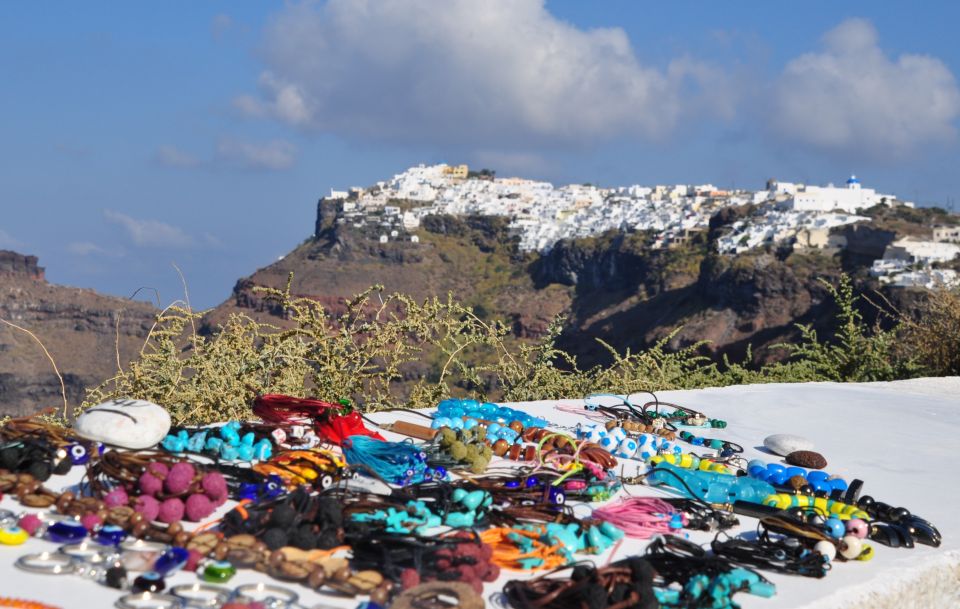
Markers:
920,252
830,198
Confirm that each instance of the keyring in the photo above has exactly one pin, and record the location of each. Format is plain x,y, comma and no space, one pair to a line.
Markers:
88,552
201,595
148,600
141,545
274,597
48,563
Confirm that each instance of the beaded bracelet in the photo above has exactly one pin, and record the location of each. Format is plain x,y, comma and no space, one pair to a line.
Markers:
726,448
823,505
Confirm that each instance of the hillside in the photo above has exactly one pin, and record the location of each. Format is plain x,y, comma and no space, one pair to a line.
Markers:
613,287
82,330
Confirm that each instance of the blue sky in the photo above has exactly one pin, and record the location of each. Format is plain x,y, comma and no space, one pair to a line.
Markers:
136,136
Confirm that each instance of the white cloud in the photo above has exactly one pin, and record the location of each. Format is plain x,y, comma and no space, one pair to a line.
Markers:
852,97
172,156
7,242
275,154
150,233
491,75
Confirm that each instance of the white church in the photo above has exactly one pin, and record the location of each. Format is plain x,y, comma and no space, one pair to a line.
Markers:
800,197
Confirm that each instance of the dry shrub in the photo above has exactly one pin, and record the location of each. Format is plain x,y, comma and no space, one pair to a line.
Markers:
933,337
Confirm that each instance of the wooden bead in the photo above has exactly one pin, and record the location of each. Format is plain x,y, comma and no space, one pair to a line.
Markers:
500,447
140,529
529,453
380,596
136,518
277,559
515,452
174,527
516,426
342,575
529,433
317,578
220,551
181,539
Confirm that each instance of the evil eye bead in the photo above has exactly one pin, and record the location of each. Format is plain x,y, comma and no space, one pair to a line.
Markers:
66,532
78,454
13,536
110,535
557,496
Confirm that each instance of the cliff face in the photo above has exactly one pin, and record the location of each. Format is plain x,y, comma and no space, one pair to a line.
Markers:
81,329
17,265
613,287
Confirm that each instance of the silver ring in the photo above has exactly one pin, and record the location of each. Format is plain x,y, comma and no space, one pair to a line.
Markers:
87,551
148,600
141,545
201,595
274,597
48,563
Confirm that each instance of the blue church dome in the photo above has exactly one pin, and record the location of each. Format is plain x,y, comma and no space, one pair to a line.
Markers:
853,180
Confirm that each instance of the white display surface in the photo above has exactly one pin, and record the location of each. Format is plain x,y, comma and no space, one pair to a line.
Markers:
901,438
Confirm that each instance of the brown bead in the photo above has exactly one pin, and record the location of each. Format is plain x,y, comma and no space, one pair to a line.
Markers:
516,426
136,518
317,578
515,452
277,559
220,551
529,433
342,575
181,539
174,527
529,453
140,529
500,447
22,478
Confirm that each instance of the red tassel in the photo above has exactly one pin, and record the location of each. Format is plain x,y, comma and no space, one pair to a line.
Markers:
328,422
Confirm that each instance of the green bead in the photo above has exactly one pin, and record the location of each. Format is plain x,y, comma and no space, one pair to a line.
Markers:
716,443
218,572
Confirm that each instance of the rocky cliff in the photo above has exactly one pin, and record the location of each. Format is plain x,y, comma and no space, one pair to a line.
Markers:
85,333
613,287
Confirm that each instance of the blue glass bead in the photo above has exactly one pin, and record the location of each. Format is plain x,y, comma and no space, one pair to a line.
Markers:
775,467
512,484
820,486
248,438
66,532
456,423
779,478
796,471
493,428
110,535
755,463
245,452
817,476
557,496
441,472
369,605
78,454
171,560
470,423
149,582
533,481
